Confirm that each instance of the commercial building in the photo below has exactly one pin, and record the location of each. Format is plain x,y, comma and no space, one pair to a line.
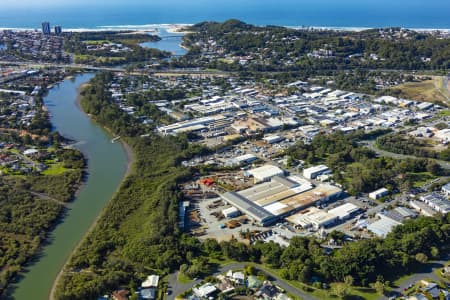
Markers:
190,125
425,105
46,28
315,171
241,160
250,208
345,211
422,208
250,125
446,189
443,135
436,202
320,194
403,213
273,139
383,226
279,188
231,212
379,193
271,201
58,30
313,217
265,173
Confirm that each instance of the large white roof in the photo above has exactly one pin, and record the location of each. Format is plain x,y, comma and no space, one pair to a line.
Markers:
266,171
343,211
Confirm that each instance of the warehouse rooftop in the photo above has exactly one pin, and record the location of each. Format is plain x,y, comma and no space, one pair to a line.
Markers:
250,208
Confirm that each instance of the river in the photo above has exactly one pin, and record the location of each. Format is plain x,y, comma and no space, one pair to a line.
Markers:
170,42
107,164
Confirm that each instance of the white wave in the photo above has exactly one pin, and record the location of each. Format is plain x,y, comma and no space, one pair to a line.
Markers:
141,27
180,25
365,28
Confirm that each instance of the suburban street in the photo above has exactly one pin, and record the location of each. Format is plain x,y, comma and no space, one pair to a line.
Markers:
178,288
427,272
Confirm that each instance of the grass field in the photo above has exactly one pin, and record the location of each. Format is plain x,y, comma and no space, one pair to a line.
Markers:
183,279
428,90
55,169
444,113
221,261
422,178
224,60
82,58
95,42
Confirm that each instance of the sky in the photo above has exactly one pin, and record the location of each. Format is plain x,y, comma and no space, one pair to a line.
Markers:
21,3
77,3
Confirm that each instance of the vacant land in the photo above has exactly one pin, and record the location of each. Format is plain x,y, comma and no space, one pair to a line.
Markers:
429,90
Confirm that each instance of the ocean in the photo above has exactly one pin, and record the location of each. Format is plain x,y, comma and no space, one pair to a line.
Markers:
320,13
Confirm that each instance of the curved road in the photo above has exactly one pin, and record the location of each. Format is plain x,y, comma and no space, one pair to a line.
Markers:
178,288
371,146
428,271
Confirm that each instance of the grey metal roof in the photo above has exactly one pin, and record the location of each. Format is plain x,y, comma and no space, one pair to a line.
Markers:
382,227
446,187
248,207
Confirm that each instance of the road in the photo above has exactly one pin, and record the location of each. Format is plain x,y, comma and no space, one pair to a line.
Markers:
178,288
426,272
168,72
447,84
371,146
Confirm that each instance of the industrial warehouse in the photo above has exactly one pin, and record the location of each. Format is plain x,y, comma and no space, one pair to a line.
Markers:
317,218
269,202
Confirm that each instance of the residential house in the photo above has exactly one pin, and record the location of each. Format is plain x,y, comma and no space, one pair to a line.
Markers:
267,291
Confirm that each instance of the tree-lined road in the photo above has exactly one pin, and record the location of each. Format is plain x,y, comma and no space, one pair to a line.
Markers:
428,271
371,145
177,288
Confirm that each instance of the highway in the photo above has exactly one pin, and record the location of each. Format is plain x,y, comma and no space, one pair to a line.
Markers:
166,72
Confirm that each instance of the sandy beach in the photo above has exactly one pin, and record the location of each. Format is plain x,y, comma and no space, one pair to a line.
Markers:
148,31
180,29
